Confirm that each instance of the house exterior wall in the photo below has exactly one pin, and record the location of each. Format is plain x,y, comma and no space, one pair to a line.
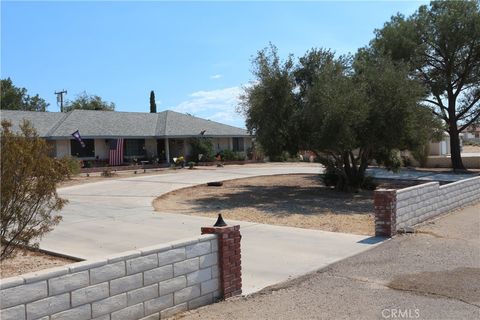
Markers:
63,148
247,143
101,149
220,144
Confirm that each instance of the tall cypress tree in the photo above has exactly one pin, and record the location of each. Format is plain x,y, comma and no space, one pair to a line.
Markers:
153,105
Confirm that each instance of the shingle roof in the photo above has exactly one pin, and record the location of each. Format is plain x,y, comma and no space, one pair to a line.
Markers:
44,122
179,124
105,124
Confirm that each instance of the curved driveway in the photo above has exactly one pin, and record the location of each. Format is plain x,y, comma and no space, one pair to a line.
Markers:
117,215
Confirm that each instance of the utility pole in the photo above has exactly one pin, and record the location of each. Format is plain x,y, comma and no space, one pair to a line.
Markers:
60,98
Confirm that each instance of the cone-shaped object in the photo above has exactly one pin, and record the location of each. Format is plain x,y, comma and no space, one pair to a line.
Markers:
220,222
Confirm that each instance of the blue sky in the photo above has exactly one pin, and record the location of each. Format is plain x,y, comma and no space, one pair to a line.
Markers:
196,56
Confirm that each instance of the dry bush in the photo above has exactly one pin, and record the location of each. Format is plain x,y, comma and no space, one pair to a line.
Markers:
28,189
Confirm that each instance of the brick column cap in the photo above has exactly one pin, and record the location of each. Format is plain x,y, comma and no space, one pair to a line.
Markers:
225,229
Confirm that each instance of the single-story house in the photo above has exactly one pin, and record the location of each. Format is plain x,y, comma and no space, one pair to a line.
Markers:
162,135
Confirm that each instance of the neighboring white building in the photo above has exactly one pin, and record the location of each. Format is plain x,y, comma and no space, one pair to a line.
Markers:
440,148
471,133
162,135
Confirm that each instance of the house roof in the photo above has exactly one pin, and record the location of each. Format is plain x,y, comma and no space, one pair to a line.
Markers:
110,124
44,122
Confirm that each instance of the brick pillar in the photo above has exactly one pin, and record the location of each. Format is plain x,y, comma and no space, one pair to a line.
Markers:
229,259
385,201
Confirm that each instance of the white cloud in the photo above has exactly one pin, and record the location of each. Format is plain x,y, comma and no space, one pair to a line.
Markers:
217,105
216,76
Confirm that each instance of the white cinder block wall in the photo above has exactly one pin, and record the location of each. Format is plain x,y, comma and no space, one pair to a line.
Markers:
148,283
419,203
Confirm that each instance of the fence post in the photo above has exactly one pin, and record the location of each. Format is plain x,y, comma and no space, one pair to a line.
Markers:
385,202
229,257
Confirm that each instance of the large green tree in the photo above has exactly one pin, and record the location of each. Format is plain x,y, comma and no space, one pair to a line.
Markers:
349,110
16,98
441,44
359,109
269,104
85,101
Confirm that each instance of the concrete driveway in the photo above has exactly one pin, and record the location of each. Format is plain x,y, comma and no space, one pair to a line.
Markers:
432,274
117,215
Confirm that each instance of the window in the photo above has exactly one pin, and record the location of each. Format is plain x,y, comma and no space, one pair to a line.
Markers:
78,151
134,147
237,144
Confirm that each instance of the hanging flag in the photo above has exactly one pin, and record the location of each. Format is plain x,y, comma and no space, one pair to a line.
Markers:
78,137
116,152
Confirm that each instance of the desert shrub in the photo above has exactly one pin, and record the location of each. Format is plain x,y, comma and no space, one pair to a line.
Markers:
471,143
28,191
107,173
73,163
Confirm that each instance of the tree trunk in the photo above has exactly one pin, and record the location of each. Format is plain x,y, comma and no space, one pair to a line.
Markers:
455,156
457,163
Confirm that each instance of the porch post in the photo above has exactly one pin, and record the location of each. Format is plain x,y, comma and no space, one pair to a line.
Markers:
167,151
185,149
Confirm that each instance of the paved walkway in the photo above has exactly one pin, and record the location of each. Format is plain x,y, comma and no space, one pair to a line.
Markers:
434,275
117,215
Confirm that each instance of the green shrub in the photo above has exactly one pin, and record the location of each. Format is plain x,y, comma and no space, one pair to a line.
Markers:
407,162
191,164
201,146
421,155
227,155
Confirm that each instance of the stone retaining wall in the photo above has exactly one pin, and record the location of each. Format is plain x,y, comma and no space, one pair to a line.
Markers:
399,209
148,283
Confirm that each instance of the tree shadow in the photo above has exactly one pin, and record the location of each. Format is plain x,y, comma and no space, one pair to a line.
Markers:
310,199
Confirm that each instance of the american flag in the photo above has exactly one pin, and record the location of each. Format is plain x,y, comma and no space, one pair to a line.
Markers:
116,152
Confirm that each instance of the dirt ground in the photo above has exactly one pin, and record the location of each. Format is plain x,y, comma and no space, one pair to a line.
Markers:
299,200
470,149
28,261
82,178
